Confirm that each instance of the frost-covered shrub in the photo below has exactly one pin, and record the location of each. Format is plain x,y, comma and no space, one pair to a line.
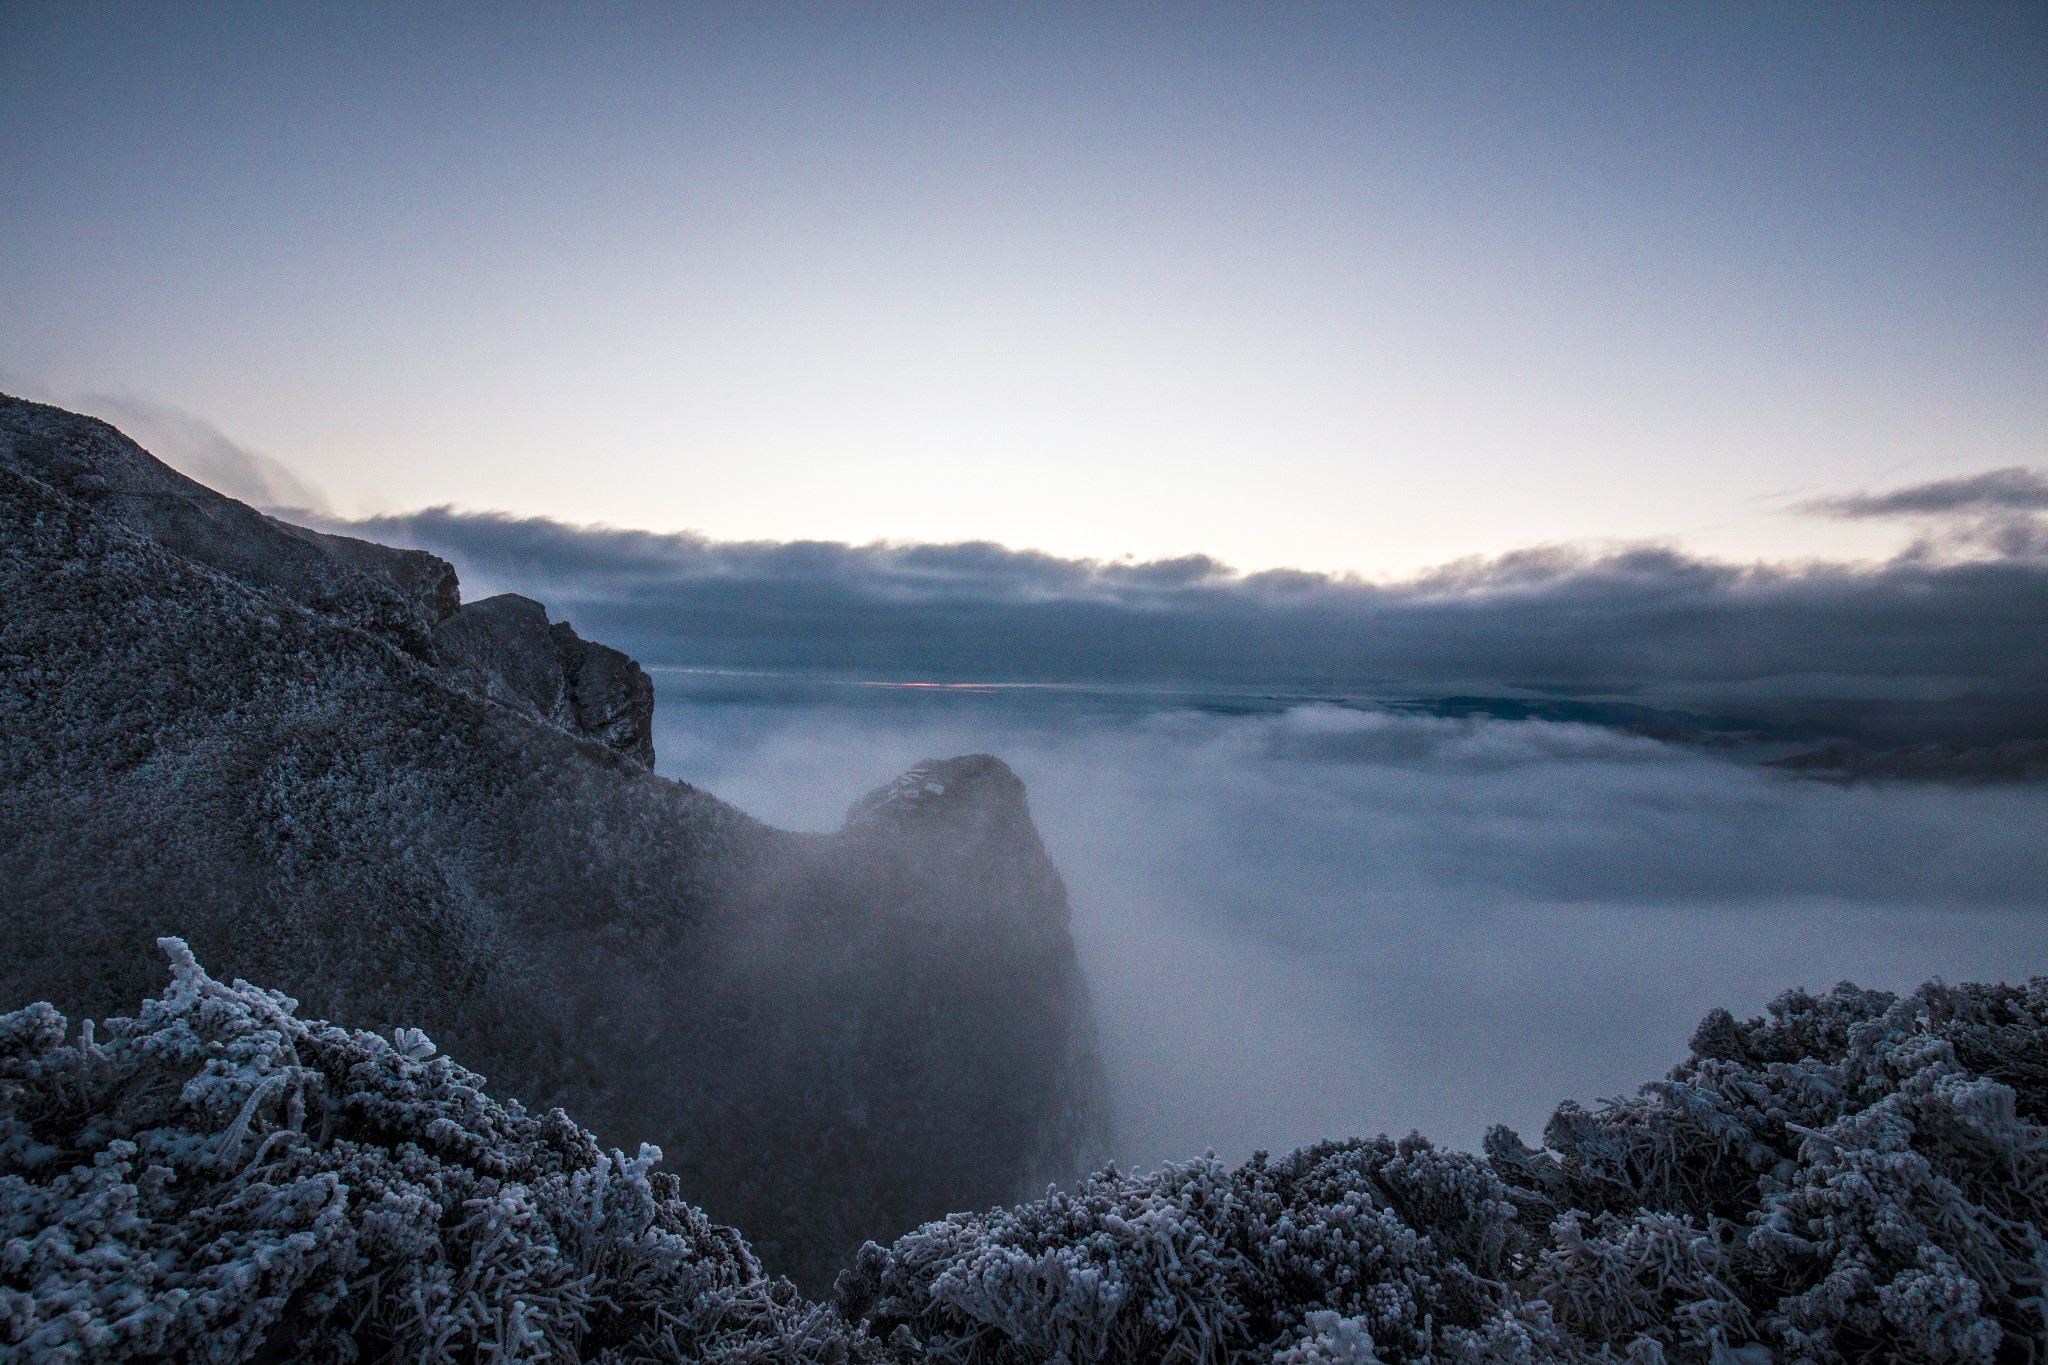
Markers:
218,1180
1656,1278
1855,1177
1344,1251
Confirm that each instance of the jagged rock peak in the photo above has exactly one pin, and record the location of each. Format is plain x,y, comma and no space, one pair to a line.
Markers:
960,831
504,648
974,792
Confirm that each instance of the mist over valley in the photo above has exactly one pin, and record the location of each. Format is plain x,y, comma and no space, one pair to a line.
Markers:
1304,920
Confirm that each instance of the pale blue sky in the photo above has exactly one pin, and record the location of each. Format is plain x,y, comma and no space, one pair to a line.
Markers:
1344,287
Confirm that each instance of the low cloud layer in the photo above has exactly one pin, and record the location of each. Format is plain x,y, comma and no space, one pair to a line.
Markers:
1318,921
1922,647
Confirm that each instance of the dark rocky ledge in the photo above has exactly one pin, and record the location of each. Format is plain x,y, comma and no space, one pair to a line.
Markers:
504,648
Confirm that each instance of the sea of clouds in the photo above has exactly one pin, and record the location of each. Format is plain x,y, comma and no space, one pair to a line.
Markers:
1305,921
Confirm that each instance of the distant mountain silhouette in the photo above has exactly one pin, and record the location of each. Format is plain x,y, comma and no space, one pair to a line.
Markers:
303,754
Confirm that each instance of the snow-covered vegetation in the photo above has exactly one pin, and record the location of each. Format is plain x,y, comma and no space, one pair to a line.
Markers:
218,1180
1856,1177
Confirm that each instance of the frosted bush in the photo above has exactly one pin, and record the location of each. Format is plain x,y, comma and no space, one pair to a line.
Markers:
1655,1277
218,1180
1855,1177
1332,1253
1330,1339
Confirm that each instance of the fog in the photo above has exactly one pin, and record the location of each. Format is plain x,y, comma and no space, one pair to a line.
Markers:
1303,921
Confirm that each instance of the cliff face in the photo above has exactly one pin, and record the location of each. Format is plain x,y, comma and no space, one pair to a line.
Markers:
932,929
304,755
397,595
503,648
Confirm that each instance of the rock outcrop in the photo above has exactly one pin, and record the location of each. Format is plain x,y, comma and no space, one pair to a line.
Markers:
305,757
932,928
398,595
504,648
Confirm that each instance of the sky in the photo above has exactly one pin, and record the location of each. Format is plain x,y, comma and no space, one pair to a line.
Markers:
1348,288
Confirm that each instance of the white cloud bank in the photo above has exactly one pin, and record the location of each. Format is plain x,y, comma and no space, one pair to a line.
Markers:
1319,922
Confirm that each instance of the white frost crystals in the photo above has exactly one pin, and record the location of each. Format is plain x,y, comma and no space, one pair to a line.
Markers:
218,1180
1858,1177
1331,1339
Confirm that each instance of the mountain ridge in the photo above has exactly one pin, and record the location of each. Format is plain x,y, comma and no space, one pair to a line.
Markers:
326,777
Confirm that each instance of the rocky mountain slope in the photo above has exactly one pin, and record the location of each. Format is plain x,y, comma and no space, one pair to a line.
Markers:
305,755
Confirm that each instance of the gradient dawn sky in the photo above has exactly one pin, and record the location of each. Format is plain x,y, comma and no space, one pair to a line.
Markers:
1352,287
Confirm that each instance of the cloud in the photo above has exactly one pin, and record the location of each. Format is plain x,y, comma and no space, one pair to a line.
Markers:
198,449
1918,648
1996,490
2001,512
1318,921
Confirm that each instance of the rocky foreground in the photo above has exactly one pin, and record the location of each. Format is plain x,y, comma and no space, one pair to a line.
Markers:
1856,1177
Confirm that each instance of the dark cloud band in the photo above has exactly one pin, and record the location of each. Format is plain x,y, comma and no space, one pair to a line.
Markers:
1990,493
1969,639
